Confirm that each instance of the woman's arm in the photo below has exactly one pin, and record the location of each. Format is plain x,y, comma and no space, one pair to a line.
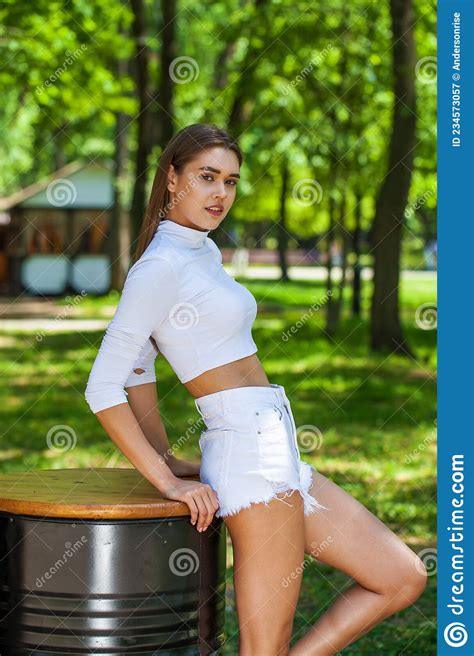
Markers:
143,400
150,292
125,431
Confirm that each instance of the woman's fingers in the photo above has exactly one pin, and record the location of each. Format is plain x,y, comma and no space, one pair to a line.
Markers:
206,510
203,504
193,508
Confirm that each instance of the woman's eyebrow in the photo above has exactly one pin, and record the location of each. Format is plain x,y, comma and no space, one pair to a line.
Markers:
209,168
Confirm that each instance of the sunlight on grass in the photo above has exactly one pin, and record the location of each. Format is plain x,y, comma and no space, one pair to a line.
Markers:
375,416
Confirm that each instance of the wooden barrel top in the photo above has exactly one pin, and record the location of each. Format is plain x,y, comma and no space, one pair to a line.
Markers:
93,493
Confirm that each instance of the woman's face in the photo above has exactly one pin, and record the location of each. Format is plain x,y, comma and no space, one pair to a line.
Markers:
207,181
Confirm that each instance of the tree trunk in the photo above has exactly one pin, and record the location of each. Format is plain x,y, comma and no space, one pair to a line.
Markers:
142,74
163,112
329,242
386,330
244,85
282,234
335,301
119,235
357,278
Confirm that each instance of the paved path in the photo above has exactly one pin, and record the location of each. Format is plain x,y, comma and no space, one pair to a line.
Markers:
35,314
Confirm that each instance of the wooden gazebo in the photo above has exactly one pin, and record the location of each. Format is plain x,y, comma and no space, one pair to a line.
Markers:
53,233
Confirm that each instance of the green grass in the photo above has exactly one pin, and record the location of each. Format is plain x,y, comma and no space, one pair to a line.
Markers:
376,415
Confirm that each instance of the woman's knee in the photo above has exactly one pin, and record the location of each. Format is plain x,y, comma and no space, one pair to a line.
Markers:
408,582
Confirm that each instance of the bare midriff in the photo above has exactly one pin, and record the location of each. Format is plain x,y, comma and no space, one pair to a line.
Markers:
246,372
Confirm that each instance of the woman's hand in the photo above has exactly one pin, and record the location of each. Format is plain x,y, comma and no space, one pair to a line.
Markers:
200,498
183,467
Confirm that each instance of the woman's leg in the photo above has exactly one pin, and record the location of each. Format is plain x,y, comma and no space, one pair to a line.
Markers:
388,575
268,549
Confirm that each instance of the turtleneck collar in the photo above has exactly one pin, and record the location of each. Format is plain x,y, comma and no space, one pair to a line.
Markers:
183,234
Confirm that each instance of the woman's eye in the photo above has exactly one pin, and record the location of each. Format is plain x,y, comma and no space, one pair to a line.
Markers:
209,178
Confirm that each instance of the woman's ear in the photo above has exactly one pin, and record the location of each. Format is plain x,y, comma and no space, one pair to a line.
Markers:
171,178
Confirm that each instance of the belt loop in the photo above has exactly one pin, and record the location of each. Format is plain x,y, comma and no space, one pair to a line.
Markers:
287,405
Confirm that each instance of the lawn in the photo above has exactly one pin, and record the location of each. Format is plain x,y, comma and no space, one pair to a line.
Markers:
376,415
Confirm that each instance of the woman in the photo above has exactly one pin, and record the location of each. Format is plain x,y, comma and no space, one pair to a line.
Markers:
178,299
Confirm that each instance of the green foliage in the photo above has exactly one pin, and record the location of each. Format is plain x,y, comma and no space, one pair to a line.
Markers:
316,84
376,416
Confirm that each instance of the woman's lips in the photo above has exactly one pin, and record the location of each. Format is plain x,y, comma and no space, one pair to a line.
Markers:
213,212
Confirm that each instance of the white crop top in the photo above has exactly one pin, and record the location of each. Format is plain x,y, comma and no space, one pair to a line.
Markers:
179,293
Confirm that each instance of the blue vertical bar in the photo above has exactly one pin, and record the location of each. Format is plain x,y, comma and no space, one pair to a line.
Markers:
456,327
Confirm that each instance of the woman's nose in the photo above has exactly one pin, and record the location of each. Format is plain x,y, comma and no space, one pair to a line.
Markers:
221,191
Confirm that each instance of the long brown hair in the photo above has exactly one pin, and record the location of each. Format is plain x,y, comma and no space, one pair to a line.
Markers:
180,150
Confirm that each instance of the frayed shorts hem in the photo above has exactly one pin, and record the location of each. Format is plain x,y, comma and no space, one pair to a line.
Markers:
310,504
250,449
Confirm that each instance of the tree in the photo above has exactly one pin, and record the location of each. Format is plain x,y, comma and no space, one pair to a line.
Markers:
386,330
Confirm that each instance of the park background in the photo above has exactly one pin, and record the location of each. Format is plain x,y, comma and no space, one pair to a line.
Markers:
334,107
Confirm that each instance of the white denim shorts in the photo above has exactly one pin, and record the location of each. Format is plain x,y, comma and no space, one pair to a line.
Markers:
250,450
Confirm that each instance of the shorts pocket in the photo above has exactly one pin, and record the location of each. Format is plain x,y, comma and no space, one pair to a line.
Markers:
274,443
268,417
212,434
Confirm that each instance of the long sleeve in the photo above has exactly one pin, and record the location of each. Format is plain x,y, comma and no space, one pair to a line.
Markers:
149,293
144,363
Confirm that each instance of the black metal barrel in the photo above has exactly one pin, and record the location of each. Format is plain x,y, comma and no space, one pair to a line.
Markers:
124,574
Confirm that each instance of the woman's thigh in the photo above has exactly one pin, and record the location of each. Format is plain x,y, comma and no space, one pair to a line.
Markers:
349,537
268,550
